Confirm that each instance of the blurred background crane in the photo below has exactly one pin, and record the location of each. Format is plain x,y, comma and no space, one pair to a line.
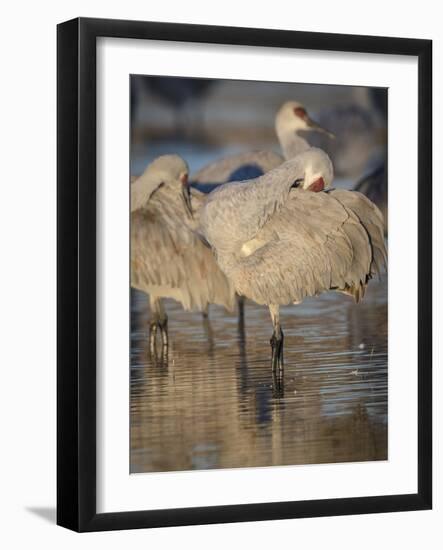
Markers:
204,120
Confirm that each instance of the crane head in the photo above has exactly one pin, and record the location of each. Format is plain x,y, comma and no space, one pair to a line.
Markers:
314,171
293,117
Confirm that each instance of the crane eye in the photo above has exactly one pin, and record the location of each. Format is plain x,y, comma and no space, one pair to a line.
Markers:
297,183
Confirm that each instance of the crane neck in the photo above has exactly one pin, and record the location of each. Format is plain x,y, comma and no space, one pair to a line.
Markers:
291,142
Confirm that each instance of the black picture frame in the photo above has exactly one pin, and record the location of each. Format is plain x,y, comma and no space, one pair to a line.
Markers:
76,278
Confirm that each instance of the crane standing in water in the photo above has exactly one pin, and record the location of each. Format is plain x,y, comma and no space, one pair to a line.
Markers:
168,259
281,237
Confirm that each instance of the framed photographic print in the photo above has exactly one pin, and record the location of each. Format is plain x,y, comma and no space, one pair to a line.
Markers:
244,274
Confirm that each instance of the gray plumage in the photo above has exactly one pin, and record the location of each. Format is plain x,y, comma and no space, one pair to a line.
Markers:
293,127
220,171
168,260
279,245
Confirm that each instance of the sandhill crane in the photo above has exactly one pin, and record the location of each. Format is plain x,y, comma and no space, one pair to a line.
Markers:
168,260
294,129
279,238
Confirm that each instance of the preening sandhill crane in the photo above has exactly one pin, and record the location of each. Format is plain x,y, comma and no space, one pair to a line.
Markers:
293,126
282,237
168,260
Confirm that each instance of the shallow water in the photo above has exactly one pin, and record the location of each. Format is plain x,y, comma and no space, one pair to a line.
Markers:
212,404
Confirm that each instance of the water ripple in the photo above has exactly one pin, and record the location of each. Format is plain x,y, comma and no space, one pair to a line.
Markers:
213,405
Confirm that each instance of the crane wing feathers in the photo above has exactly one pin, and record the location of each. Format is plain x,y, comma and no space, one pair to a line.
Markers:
372,220
141,189
169,260
316,242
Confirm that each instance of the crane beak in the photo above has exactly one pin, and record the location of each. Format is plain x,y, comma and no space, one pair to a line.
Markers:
315,126
317,185
186,194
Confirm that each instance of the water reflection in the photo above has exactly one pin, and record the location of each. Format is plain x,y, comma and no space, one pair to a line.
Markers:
214,403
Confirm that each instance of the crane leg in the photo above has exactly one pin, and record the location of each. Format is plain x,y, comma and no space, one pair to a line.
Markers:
163,324
277,340
207,327
241,314
152,336
159,320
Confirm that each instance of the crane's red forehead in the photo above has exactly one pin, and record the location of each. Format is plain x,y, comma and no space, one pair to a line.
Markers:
300,112
317,186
